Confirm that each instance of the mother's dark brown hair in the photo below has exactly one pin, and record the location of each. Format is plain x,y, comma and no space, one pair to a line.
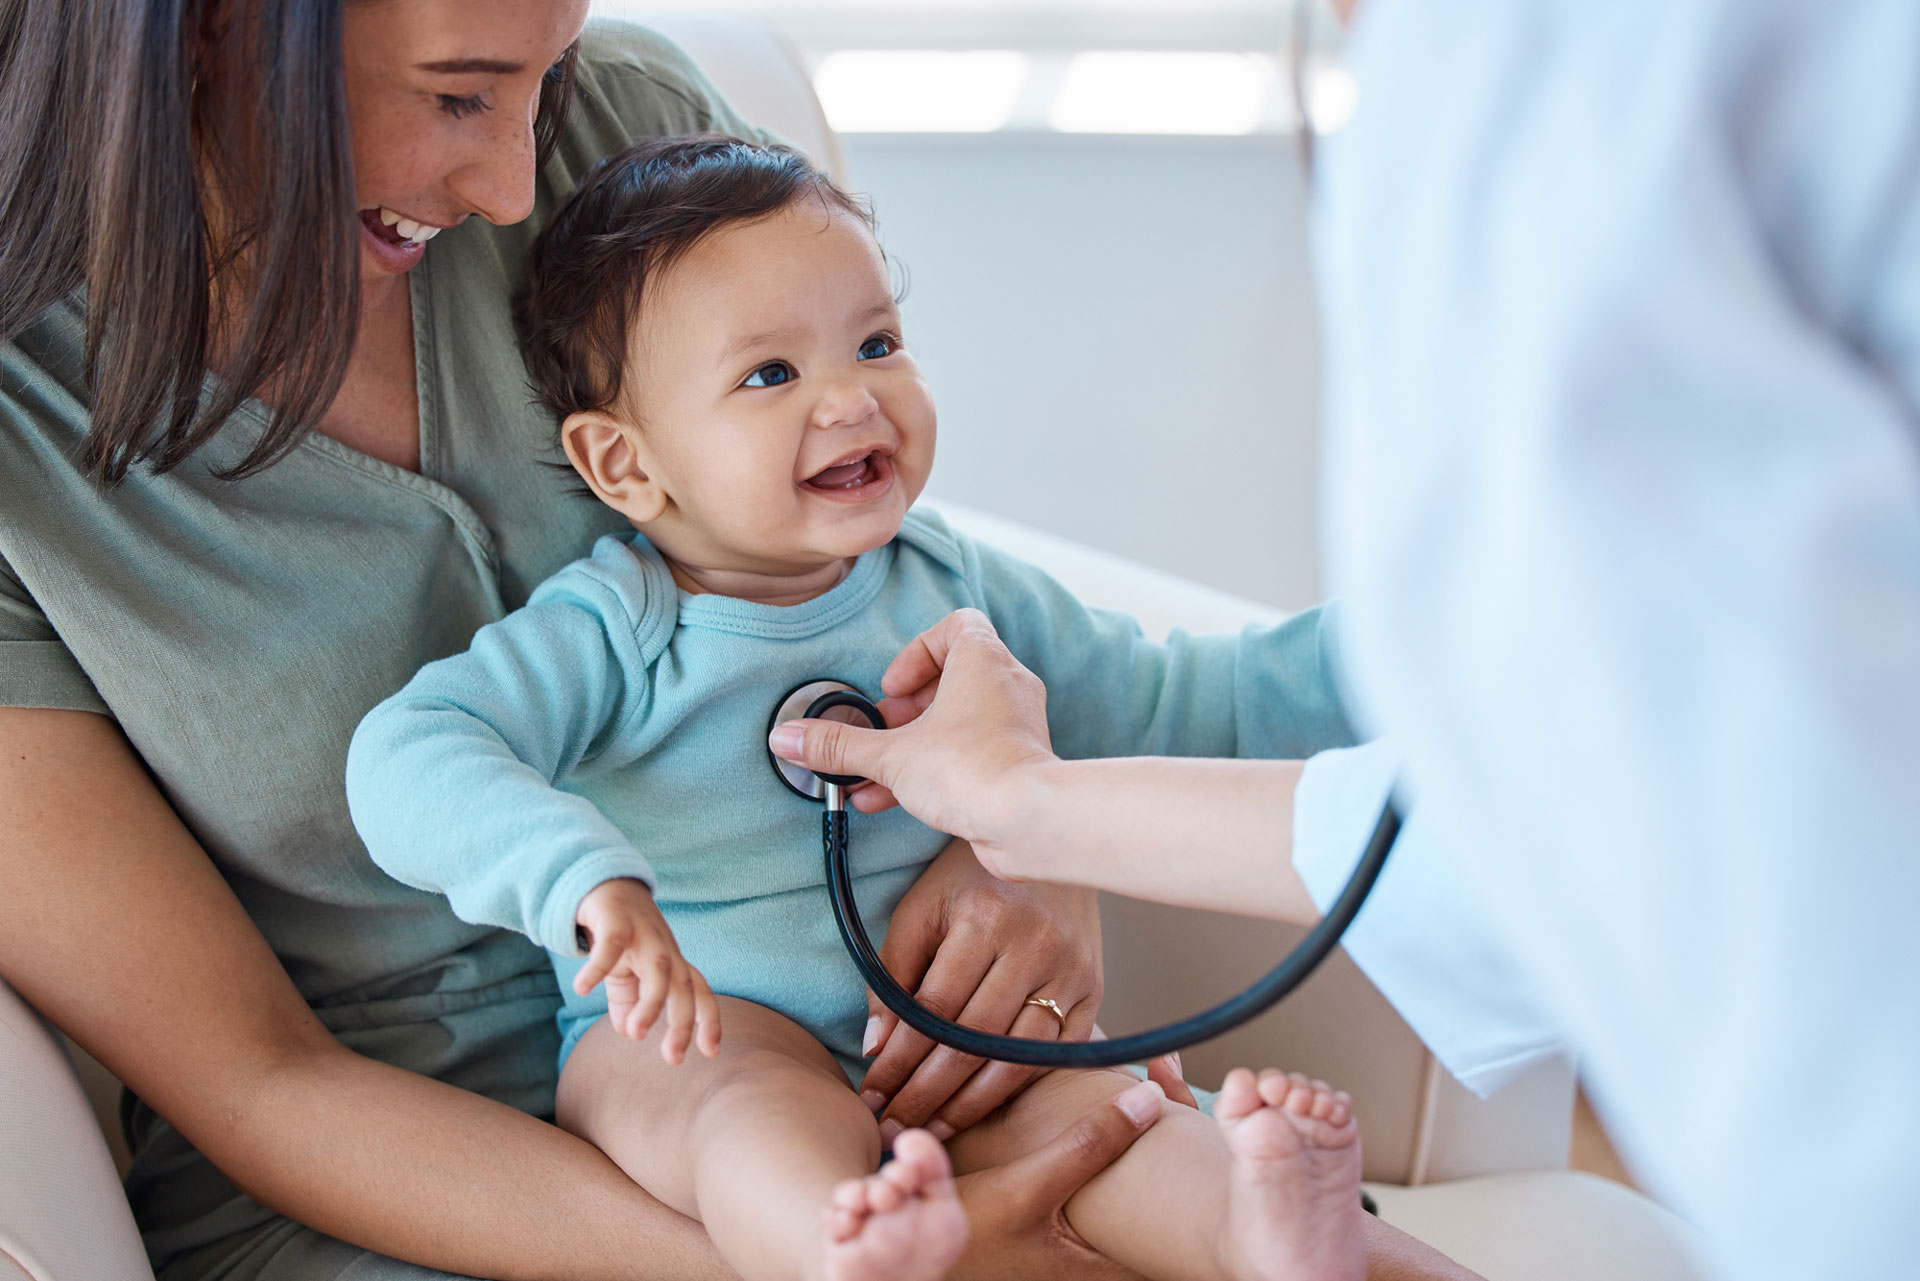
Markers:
111,141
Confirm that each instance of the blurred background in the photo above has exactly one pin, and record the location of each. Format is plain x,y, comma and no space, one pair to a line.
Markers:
1099,210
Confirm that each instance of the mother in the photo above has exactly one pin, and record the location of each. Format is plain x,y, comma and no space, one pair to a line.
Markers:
263,452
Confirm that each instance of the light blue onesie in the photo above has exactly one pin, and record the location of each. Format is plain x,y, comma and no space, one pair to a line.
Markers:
617,726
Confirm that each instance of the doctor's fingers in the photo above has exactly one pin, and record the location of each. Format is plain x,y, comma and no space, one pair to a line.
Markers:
872,798
964,635
962,673
829,747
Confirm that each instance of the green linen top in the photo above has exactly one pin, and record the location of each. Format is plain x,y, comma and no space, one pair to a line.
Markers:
237,632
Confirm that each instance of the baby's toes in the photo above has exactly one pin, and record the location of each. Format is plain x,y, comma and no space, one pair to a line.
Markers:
848,1210
1239,1096
844,1224
1326,1101
919,1162
884,1196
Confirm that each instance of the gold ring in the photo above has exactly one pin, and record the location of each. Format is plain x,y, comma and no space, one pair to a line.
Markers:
1051,1007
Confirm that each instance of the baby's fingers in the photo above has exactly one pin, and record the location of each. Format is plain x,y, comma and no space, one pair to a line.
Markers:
608,945
623,990
673,1044
706,1016
653,970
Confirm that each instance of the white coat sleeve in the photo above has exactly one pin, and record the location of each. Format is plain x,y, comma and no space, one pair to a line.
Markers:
1421,937
1623,321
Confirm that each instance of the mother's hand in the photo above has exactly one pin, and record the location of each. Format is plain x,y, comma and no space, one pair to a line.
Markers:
974,949
1018,1210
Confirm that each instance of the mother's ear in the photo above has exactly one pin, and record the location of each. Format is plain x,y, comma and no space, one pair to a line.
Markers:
609,457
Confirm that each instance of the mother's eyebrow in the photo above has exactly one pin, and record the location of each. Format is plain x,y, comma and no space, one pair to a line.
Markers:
473,66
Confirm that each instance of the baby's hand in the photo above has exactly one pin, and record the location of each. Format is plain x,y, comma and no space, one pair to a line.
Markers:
630,946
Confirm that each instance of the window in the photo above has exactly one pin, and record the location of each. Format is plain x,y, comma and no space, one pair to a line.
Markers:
1192,67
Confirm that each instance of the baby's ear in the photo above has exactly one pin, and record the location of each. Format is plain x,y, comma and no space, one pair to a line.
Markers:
607,455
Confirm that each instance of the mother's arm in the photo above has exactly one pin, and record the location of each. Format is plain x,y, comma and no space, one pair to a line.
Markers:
117,926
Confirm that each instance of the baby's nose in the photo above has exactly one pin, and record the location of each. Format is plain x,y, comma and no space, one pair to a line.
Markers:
844,404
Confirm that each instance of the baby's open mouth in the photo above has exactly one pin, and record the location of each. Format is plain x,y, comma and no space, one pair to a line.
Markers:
864,470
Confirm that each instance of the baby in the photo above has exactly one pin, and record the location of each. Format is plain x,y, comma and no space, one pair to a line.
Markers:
712,325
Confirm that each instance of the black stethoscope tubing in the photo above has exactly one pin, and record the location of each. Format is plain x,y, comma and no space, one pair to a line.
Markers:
1283,979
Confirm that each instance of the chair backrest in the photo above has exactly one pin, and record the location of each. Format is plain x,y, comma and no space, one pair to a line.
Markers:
761,74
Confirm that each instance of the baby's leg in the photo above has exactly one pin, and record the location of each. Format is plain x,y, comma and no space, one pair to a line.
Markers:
756,1144
1195,1200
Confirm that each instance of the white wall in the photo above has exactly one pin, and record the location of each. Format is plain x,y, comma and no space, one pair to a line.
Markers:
1120,336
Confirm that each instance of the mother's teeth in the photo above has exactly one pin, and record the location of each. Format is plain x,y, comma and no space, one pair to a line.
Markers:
407,228
426,233
388,216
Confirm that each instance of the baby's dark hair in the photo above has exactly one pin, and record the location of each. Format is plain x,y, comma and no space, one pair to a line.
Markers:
634,214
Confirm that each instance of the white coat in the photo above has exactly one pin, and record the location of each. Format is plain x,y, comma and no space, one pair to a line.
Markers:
1623,320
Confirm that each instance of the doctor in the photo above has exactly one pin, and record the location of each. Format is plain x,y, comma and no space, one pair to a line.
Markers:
1623,320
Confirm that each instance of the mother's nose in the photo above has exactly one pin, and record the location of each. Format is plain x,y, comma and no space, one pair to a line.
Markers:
496,178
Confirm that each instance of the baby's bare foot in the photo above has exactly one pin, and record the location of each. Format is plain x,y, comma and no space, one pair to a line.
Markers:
1293,1205
902,1224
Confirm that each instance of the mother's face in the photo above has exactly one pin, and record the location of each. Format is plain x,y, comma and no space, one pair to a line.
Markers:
442,96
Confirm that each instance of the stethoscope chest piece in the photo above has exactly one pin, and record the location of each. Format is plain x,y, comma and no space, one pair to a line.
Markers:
820,700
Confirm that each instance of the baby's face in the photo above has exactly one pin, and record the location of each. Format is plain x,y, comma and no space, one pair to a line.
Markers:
777,410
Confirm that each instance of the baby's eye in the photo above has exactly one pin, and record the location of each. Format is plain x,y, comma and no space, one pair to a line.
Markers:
771,374
877,346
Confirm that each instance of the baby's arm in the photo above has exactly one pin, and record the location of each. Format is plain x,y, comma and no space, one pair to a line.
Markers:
451,782
632,948
1268,692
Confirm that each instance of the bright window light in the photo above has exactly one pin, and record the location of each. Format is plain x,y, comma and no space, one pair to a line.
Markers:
914,91
1331,98
1220,93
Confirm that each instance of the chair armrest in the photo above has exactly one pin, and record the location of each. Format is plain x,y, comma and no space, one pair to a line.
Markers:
63,1215
1548,1227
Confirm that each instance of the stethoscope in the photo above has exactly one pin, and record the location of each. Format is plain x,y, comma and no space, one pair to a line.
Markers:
822,698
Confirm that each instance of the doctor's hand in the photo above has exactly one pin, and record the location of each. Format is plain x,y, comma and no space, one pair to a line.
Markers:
973,949
631,946
966,720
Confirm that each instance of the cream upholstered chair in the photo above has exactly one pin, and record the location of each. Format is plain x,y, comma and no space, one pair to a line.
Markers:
1484,1181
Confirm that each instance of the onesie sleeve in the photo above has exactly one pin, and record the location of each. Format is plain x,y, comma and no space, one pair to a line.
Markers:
36,668
456,782
1268,692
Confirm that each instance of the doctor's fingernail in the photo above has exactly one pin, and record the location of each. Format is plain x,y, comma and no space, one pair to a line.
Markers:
785,740
940,1130
871,1041
874,1100
1142,1102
